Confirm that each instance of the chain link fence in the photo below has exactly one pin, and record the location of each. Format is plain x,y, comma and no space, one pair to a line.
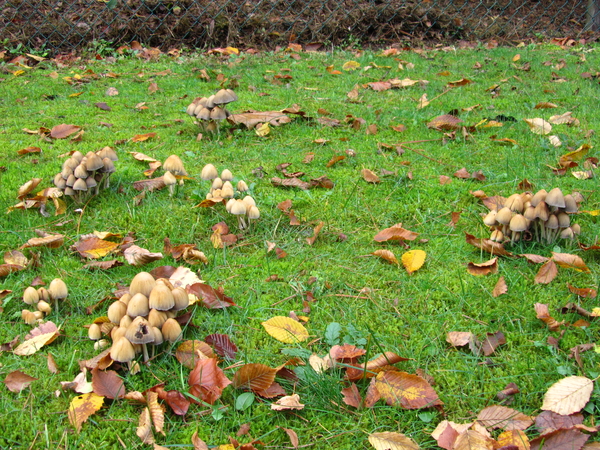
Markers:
66,25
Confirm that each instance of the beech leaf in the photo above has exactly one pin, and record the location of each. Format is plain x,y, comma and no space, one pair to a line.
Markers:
16,381
413,260
82,407
285,329
389,440
568,395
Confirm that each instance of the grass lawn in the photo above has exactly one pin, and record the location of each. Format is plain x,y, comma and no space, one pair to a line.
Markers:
337,279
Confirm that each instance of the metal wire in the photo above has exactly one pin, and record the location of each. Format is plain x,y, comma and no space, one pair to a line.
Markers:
75,25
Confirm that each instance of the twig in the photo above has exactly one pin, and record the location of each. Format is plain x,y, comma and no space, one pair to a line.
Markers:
425,156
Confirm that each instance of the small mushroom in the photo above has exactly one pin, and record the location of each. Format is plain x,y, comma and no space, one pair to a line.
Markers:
31,295
161,298
94,332
170,181
171,330
209,172
517,225
140,332
139,305
242,186
122,351
143,283
44,307
239,209
116,311
555,199
226,175
174,164
57,291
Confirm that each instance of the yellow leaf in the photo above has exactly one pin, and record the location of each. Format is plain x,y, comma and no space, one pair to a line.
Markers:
413,260
389,440
351,65
285,329
263,130
538,126
16,73
595,212
83,407
576,155
31,346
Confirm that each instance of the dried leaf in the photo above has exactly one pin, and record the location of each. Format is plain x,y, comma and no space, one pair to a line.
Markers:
293,437
143,137
198,443
210,297
486,245
386,255
288,402
285,329
222,345
144,429
40,336
445,122
17,381
252,119
569,261
137,256
93,247
539,126
254,376
395,233
107,384
568,395
484,268
189,352
83,407
582,292
502,417
572,439
50,241
103,265
547,273
500,288
316,231
156,412
369,176
388,440
472,440
63,131
543,314
207,381
491,342
548,421
460,338
413,260
406,390
150,185
352,396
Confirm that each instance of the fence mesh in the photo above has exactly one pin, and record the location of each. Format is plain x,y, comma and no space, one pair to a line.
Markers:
63,25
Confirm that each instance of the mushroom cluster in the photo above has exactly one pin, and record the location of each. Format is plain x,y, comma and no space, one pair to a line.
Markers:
56,291
545,216
144,315
222,189
211,110
174,172
84,175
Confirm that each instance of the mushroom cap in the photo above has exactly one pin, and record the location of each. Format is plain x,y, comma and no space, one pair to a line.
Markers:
242,186
210,102
94,332
117,333
31,295
59,181
181,298
227,191
169,179
226,175
116,311
218,113
539,196
171,330
253,213
497,236
190,109
529,213
101,344
518,223
125,321
43,293
249,201
93,162
217,183
490,218
44,307
238,208
174,164
564,220
157,318
143,283
138,305
139,332
209,172
567,233
122,350
80,171
108,152
80,185
224,96
77,155
57,289
552,222
576,228
515,203
570,204
125,298
161,298
71,163
203,114
71,180
158,337
109,166
541,211
230,202
555,198
504,215
91,182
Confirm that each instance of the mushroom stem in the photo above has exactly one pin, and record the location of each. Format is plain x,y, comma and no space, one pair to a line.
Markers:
145,352
171,190
56,304
241,222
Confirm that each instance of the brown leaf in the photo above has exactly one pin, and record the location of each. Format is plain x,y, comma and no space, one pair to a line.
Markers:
144,429
472,440
252,119
288,402
28,150
582,292
50,241
103,265
484,268
352,396
406,390
569,261
103,106
52,366
198,443
460,338
492,341
177,402
17,381
290,182
506,393
207,381
369,176
395,233
93,247
372,129
543,314
462,173
211,298
63,131
293,437
254,376
445,122
151,184
461,82
547,273
107,384
222,345
386,255
189,352
548,421
444,179
143,137
335,160
380,85
500,288
82,407
486,245
137,256
560,440
533,258
316,231
372,367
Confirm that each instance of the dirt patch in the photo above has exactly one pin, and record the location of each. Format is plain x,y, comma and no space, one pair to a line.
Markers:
74,24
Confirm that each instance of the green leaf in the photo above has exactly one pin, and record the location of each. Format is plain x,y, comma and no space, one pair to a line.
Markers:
332,333
244,401
111,4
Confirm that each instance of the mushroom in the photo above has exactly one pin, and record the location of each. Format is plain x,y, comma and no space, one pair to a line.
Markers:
116,311
81,172
101,344
80,188
161,298
122,351
239,209
209,172
170,181
94,332
515,203
181,298
31,295
174,164
224,96
139,305
551,226
497,236
140,332
157,318
171,330
57,291
242,186
226,175
143,283
517,225
106,171
539,196
570,204
44,307
503,217
107,152
555,199
490,218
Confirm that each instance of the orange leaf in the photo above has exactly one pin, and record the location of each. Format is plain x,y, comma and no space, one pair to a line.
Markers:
369,176
406,390
189,352
63,131
500,288
486,245
413,260
547,273
207,381
485,268
445,122
256,377
93,247
543,314
387,255
582,292
395,233
335,160
316,231
502,417
107,384
83,407
142,137
569,261
50,241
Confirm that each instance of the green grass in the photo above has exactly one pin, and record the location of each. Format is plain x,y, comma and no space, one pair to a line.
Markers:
406,314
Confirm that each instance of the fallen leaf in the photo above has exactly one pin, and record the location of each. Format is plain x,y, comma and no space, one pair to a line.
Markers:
252,119
495,248
103,265
484,268
17,381
543,314
539,126
395,233
293,437
207,381
254,376
386,255
582,292
50,241
285,329
40,336
413,260
287,402
93,247
63,131
472,440
210,297
500,288
335,160
316,231
189,352
389,440
502,417
547,273
143,137
82,407
144,429
572,439
369,176
222,345
460,338
568,395
405,390
569,261
352,396
137,256
445,122
107,384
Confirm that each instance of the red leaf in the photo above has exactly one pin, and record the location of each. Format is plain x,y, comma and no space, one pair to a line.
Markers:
211,298
207,381
352,396
107,384
222,345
